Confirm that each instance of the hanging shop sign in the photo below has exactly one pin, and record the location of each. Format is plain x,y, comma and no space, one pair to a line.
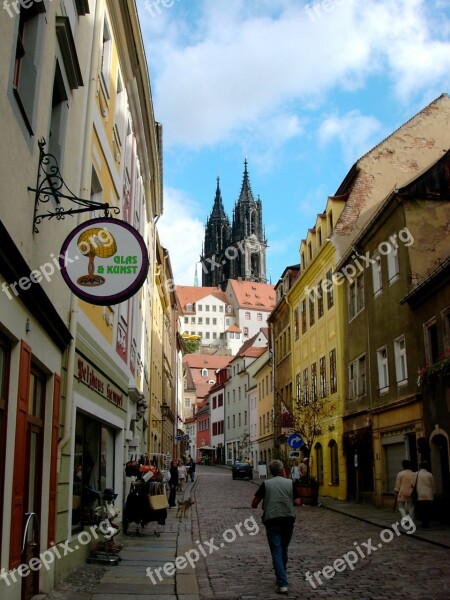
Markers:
104,261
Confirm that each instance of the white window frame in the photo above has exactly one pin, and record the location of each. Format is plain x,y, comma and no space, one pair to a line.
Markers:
383,369
357,377
401,367
377,276
356,296
393,266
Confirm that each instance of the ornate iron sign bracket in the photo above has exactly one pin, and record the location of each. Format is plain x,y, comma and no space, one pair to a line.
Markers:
50,184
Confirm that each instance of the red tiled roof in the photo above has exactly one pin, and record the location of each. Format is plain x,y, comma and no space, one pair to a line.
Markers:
234,328
250,294
206,361
188,294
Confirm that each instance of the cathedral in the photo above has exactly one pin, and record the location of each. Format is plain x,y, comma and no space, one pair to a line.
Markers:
237,250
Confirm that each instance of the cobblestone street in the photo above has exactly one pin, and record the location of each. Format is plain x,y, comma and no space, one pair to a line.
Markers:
403,568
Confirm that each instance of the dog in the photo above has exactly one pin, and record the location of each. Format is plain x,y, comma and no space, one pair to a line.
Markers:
183,507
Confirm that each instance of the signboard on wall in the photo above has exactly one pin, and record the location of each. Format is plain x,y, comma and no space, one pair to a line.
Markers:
104,261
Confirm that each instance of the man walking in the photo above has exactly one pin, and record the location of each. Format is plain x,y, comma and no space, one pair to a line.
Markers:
279,496
404,486
425,494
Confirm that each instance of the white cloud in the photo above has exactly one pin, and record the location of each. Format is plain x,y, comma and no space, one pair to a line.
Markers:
239,63
181,232
354,131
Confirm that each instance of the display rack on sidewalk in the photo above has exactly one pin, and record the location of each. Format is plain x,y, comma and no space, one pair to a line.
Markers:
146,503
106,551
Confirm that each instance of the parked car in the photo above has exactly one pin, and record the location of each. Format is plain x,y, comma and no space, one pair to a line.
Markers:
242,470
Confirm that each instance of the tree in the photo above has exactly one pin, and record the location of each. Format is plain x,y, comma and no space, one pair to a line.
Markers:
309,419
190,346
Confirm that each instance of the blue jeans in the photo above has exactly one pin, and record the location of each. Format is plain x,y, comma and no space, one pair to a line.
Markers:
279,535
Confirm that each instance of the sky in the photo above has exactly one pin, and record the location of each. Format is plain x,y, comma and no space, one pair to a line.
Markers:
299,89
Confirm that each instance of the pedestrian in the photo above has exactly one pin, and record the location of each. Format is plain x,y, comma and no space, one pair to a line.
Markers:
279,495
404,486
425,494
173,483
192,470
303,468
295,471
181,475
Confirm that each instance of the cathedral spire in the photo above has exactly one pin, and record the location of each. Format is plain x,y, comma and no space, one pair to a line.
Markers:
246,194
218,212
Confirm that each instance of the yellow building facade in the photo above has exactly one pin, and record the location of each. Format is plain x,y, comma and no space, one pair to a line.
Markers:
315,301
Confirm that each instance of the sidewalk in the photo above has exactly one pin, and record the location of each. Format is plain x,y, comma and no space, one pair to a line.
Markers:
383,517
128,579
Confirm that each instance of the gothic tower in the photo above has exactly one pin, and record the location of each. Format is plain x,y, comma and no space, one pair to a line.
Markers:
215,267
248,236
238,251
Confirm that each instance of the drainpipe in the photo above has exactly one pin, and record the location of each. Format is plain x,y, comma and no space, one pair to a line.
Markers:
85,184
152,450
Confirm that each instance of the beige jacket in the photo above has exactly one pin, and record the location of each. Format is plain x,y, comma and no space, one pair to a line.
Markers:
404,485
425,485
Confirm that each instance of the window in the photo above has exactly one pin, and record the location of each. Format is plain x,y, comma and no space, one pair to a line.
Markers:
312,312
214,308
200,320
329,286
383,375
310,251
189,307
303,313
319,300
220,308
298,390
245,331
28,55
105,66
199,307
319,463
296,324
400,360
214,321
431,341
356,296
220,400
319,235
392,265
207,308
333,373
58,119
305,386
330,223
207,320
207,335
259,317
234,421
376,276
204,372
323,377
186,319
187,403
247,316
192,319
334,462
314,382
357,377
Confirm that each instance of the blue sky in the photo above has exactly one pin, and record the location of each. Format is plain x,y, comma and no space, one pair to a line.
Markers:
302,89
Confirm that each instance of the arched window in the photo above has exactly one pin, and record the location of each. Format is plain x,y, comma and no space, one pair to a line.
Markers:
319,462
334,462
204,372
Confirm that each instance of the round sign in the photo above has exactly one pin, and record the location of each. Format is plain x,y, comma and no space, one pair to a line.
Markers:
104,261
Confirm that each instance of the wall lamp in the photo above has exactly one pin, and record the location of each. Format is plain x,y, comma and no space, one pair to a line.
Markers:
164,413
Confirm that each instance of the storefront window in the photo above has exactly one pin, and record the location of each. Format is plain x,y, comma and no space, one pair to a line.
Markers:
93,468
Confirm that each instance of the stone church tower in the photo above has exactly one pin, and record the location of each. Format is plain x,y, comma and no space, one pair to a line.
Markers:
239,250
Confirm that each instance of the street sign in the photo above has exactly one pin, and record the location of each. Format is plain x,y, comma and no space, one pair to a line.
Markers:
179,438
294,454
295,441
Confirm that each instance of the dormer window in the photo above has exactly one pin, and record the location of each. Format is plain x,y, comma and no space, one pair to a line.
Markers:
204,372
189,307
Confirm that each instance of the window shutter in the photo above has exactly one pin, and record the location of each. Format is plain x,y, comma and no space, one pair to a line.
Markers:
53,461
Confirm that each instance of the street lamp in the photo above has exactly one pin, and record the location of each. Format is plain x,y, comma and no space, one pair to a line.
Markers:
164,412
